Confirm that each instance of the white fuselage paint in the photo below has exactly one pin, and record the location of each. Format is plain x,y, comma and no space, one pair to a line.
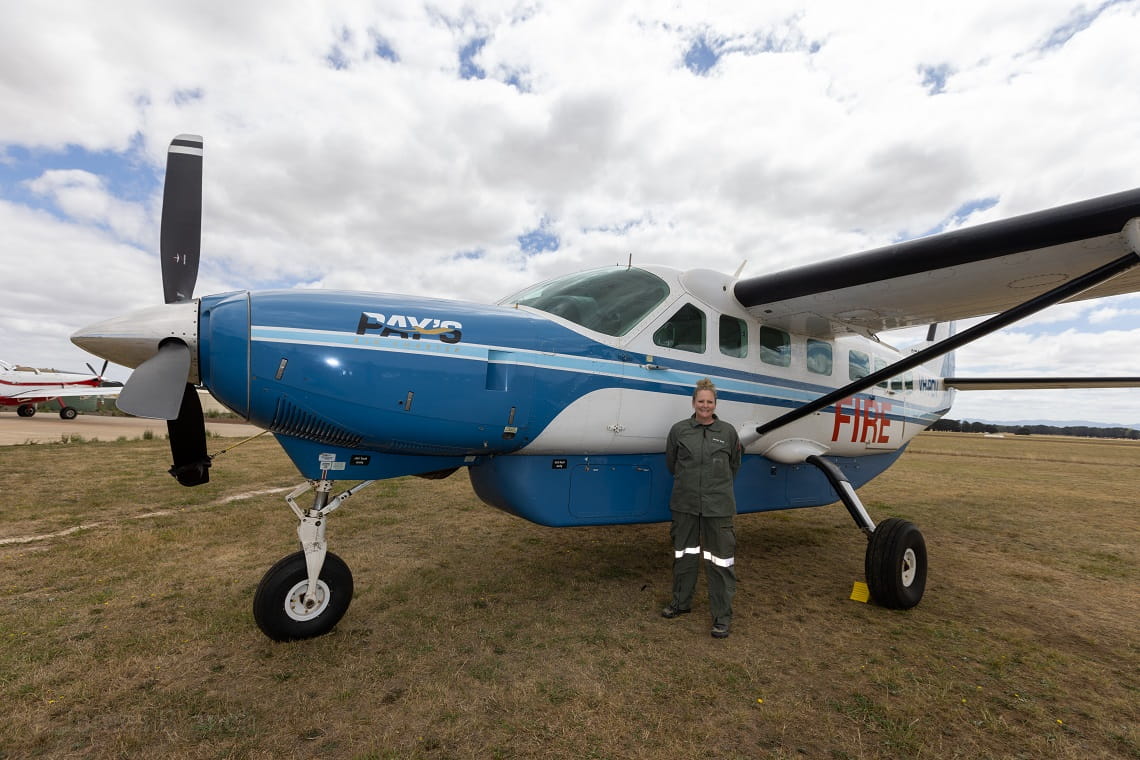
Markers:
623,420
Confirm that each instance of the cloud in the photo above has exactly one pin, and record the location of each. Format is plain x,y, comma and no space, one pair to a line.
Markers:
83,197
380,147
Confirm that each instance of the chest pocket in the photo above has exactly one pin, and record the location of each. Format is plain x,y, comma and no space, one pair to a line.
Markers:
718,450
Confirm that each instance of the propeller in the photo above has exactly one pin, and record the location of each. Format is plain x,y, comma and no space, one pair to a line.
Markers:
158,387
187,434
154,389
101,372
180,239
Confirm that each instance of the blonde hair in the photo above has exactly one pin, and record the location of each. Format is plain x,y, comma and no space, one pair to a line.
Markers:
704,384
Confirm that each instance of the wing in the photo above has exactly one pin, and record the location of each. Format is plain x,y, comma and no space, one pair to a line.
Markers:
54,391
965,273
1038,383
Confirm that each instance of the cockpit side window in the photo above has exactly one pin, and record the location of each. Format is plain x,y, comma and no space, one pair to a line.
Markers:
685,330
733,336
610,301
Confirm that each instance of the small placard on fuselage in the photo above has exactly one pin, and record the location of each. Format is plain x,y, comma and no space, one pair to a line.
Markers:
558,464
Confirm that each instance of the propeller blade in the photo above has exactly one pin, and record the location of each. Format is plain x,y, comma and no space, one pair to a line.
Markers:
188,441
154,389
101,372
180,241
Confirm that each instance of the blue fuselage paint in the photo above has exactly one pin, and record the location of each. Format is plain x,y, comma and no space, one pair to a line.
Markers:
359,386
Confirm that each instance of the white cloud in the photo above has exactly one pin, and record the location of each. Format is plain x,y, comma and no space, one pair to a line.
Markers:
83,197
330,164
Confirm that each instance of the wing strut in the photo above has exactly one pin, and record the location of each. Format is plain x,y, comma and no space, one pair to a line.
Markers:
1056,295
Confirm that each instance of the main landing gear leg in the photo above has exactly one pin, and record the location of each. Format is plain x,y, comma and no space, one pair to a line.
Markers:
895,564
306,593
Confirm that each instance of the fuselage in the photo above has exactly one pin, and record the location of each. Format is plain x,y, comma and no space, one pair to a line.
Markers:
558,400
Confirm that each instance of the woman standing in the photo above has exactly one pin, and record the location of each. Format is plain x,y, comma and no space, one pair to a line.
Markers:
703,454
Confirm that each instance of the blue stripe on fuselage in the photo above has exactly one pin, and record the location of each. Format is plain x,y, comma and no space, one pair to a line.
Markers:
609,365
564,362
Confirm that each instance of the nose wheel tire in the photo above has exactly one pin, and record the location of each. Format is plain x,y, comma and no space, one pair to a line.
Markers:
896,564
279,605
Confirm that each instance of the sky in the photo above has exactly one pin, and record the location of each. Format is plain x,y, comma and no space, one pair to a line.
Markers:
466,150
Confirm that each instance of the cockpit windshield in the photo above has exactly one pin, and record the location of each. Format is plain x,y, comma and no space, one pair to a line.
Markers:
610,301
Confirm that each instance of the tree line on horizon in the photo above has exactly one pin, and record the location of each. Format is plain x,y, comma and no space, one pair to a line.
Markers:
1084,431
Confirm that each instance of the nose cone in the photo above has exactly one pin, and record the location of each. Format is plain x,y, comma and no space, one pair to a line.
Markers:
133,338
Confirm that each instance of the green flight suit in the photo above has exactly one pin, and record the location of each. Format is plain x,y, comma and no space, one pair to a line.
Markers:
704,460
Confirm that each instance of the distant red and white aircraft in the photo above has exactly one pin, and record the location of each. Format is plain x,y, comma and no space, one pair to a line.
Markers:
24,388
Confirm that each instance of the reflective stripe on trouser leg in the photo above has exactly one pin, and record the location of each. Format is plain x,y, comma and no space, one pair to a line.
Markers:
686,535
718,540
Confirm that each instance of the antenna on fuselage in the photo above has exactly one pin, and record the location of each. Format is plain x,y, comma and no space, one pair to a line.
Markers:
739,269
629,264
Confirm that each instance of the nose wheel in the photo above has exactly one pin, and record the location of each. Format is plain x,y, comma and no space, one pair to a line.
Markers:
283,609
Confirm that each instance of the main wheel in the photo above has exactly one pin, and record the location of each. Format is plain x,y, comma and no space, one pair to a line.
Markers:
26,410
896,564
279,603
67,413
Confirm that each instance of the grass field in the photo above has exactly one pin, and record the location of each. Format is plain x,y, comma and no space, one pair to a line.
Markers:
476,634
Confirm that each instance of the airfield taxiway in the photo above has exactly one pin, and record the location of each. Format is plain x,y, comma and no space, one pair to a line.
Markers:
49,428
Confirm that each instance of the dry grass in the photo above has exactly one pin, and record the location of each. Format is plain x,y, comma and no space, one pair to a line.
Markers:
475,634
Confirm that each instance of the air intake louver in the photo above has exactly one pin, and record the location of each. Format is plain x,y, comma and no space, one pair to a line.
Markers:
291,420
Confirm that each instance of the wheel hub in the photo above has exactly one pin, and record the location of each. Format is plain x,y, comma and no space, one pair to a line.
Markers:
296,606
909,567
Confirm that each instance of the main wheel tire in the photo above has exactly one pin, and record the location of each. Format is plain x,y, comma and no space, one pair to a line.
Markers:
26,410
278,604
67,413
896,564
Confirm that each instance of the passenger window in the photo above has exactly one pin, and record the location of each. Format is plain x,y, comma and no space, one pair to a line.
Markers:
881,364
733,336
685,330
775,347
818,356
858,365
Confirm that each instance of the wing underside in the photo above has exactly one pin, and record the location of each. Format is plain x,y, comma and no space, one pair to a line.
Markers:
955,275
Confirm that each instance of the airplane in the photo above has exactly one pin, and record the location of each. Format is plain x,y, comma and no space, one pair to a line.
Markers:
24,388
557,400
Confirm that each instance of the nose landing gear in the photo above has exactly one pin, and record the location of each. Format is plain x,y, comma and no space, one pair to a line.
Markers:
306,593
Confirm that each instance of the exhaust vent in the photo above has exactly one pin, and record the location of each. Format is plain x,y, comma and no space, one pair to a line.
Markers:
291,420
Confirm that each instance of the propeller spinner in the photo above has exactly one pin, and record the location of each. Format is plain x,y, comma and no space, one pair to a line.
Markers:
161,343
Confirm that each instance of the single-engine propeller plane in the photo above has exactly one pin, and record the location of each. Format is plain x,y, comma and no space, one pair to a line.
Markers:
557,400
24,388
